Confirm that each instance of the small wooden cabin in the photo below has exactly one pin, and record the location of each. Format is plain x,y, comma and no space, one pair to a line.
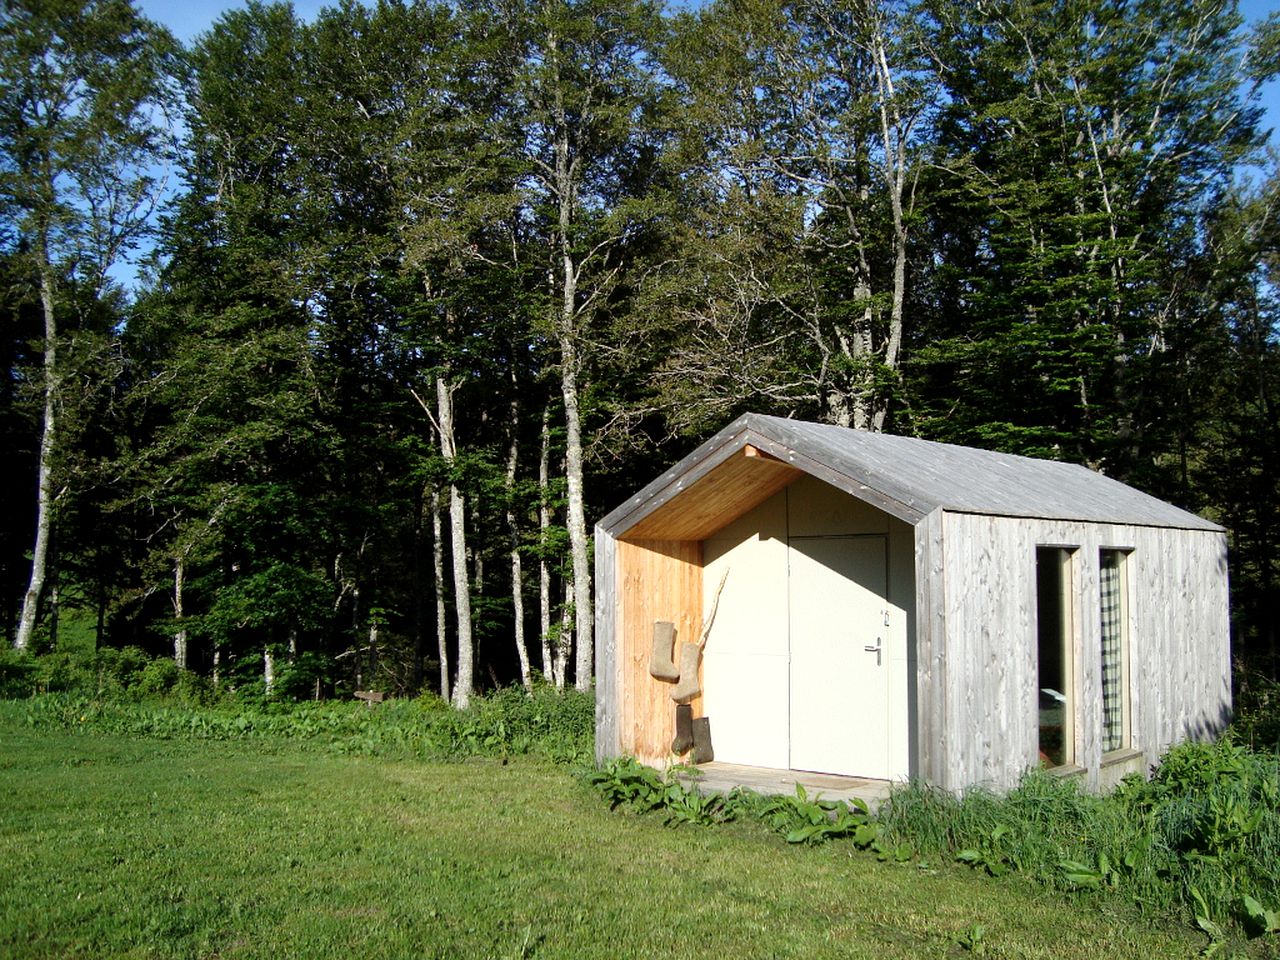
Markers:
894,608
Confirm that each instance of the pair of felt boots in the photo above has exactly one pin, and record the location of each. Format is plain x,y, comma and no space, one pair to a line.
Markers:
662,665
691,733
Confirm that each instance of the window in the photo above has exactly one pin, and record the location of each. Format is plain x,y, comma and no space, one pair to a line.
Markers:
1055,656
1113,601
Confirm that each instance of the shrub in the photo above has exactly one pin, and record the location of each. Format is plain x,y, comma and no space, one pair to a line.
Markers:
297,679
157,678
191,688
18,672
57,673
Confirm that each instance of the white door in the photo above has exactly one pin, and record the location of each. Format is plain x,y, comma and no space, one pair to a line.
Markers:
839,645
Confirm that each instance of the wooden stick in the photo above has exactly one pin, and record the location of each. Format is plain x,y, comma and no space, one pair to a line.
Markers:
706,627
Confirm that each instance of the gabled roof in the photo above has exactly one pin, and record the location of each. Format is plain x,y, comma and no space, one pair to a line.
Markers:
756,456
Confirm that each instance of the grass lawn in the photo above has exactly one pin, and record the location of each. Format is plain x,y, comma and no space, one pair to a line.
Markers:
142,848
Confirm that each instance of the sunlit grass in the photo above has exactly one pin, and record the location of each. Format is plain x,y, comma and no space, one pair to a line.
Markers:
140,848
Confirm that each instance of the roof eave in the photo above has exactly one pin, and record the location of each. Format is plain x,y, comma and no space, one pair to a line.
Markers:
747,430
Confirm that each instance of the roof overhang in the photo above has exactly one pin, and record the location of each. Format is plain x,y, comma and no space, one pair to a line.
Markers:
732,473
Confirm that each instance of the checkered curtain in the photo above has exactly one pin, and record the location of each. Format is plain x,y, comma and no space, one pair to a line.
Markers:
1112,653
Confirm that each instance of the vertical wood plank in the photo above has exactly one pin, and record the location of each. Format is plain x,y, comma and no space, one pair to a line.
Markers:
606,630
931,746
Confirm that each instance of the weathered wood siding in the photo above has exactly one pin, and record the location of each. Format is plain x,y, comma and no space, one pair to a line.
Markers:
656,580
607,628
931,741
977,672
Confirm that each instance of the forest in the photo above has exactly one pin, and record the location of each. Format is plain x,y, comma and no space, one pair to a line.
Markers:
426,288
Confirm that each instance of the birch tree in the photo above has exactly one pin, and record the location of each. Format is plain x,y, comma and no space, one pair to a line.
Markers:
585,94
82,122
513,530
454,163
803,123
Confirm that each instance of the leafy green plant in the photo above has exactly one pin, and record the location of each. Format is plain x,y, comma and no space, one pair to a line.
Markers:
684,804
1105,872
1258,919
973,940
799,819
893,852
1201,835
990,855
624,782
1206,923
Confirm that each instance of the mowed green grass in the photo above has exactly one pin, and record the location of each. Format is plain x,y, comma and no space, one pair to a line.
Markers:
135,848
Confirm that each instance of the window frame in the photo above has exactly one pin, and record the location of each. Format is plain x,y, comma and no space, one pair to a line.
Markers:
1123,557
1068,641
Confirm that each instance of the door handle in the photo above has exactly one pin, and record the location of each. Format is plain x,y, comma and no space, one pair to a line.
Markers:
877,649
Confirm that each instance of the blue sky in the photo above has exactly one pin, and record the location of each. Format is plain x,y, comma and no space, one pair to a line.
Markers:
186,18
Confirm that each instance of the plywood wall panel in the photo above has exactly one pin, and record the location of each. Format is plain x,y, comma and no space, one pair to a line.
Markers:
715,499
659,580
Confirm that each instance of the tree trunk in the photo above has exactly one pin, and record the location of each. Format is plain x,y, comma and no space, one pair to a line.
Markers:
100,625
437,573
566,188
415,586
544,568
54,607
566,638
895,131
44,494
517,585
268,670
577,531
179,634
458,541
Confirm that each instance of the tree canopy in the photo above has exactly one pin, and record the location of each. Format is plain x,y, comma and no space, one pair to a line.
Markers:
440,283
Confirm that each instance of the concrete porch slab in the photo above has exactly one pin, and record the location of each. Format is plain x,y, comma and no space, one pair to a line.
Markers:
718,777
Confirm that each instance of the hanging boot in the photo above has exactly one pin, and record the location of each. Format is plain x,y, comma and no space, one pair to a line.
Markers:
661,664
688,688
702,752
684,729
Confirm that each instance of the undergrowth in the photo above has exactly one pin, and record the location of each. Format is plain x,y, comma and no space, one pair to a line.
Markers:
1201,838
509,722
797,818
